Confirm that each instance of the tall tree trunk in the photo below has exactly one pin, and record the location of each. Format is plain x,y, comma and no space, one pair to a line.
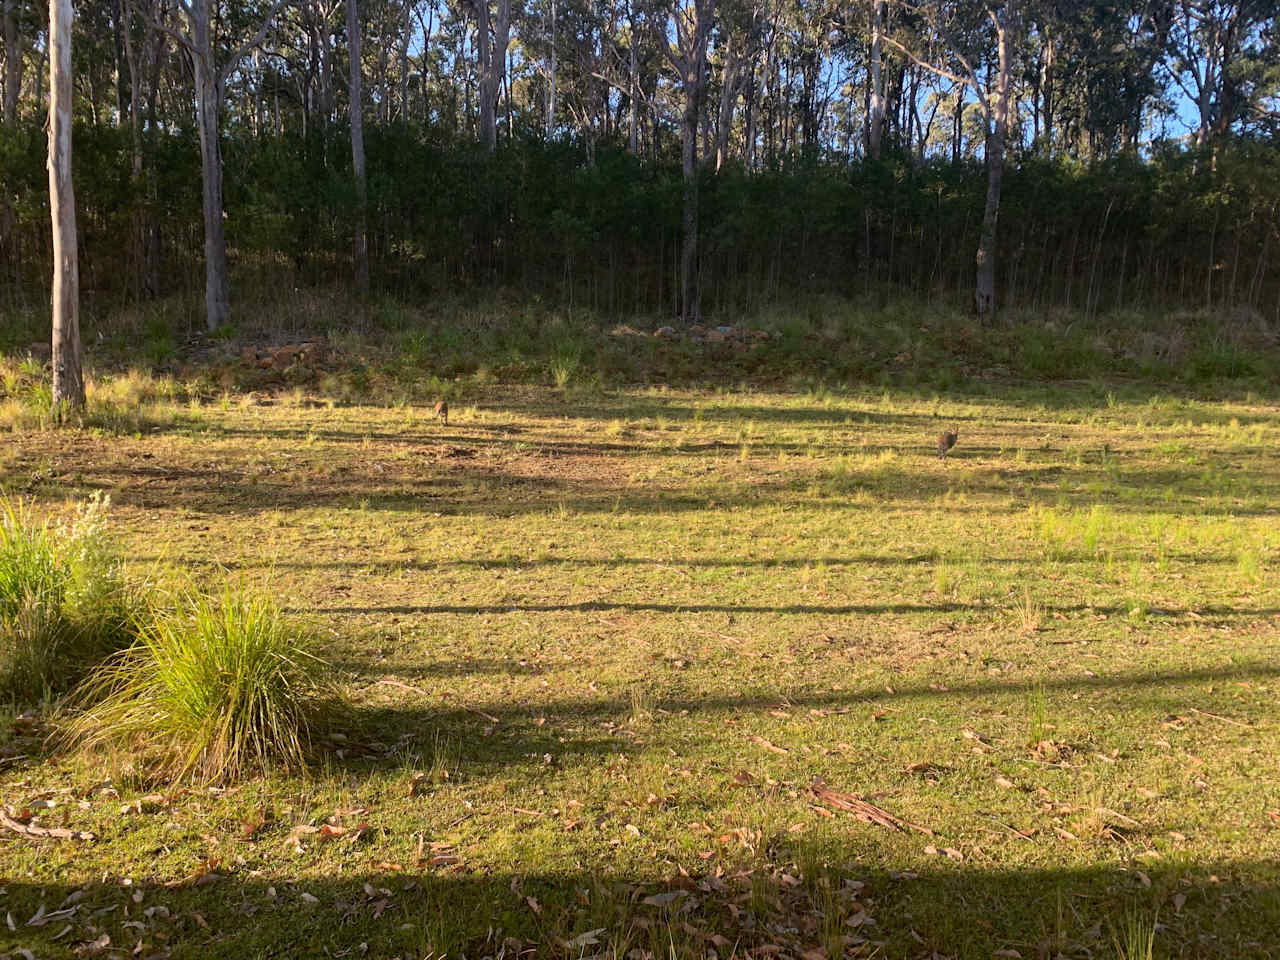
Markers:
551,89
217,293
985,286
633,82
498,64
691,61
68,377
12,63
488,95
1046,83
729,86
689,250
875,117
135,139
405,30
325,38
357,151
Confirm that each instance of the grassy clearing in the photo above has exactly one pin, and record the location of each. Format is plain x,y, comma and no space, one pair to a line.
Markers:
600,644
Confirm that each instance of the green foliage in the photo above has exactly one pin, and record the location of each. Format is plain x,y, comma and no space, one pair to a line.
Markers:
601,229
64,602
216,690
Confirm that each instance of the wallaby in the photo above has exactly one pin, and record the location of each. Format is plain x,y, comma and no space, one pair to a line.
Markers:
442,411
947,441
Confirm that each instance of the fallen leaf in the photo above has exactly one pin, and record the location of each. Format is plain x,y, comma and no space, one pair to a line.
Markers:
588,939
663,899
770,746
94,947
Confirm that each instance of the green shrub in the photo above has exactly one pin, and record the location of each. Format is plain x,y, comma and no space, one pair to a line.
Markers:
221,687
64,602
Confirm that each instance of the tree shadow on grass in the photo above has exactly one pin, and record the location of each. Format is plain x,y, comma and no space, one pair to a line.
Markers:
395,720
781,900
1214,611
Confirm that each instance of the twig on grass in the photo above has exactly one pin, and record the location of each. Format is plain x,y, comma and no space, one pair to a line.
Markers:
42,833
863,810
1236,723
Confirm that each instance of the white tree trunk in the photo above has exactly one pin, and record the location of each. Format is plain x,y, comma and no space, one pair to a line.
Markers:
633,84
551,91
488,93
498,63
875,121
357,151
729,86
68,377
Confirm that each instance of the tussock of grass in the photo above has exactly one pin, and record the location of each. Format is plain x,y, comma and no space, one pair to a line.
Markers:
64,602
130,401
222,687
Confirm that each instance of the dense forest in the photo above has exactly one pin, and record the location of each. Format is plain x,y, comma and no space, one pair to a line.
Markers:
634,156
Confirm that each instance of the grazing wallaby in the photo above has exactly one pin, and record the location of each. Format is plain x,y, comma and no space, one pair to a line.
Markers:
947,441
442,411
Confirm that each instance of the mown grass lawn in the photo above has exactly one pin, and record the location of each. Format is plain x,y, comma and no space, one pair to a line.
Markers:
600,647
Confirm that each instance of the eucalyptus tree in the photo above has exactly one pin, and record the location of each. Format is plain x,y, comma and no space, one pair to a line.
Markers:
691,23
210,74
356,116
68,377
1215,49
12,62
967,42
493,34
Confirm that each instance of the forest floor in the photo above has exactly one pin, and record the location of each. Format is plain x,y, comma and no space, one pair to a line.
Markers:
604,652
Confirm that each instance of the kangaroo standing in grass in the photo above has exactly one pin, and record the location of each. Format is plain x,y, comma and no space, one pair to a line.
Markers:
947,441
441,410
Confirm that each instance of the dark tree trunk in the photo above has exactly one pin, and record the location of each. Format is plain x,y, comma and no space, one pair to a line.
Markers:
985,285
690,61
217,294
12,63
357,151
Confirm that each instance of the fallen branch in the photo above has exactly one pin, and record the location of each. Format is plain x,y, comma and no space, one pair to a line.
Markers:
404,686
43,833
480,713
1237,723
862,810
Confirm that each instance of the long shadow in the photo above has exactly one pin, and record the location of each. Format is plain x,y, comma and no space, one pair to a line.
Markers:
677,447
800,609
490,491
1060,557
1150,690
767,905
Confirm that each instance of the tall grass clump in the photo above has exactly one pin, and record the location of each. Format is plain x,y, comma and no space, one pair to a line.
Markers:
64,601
220,687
